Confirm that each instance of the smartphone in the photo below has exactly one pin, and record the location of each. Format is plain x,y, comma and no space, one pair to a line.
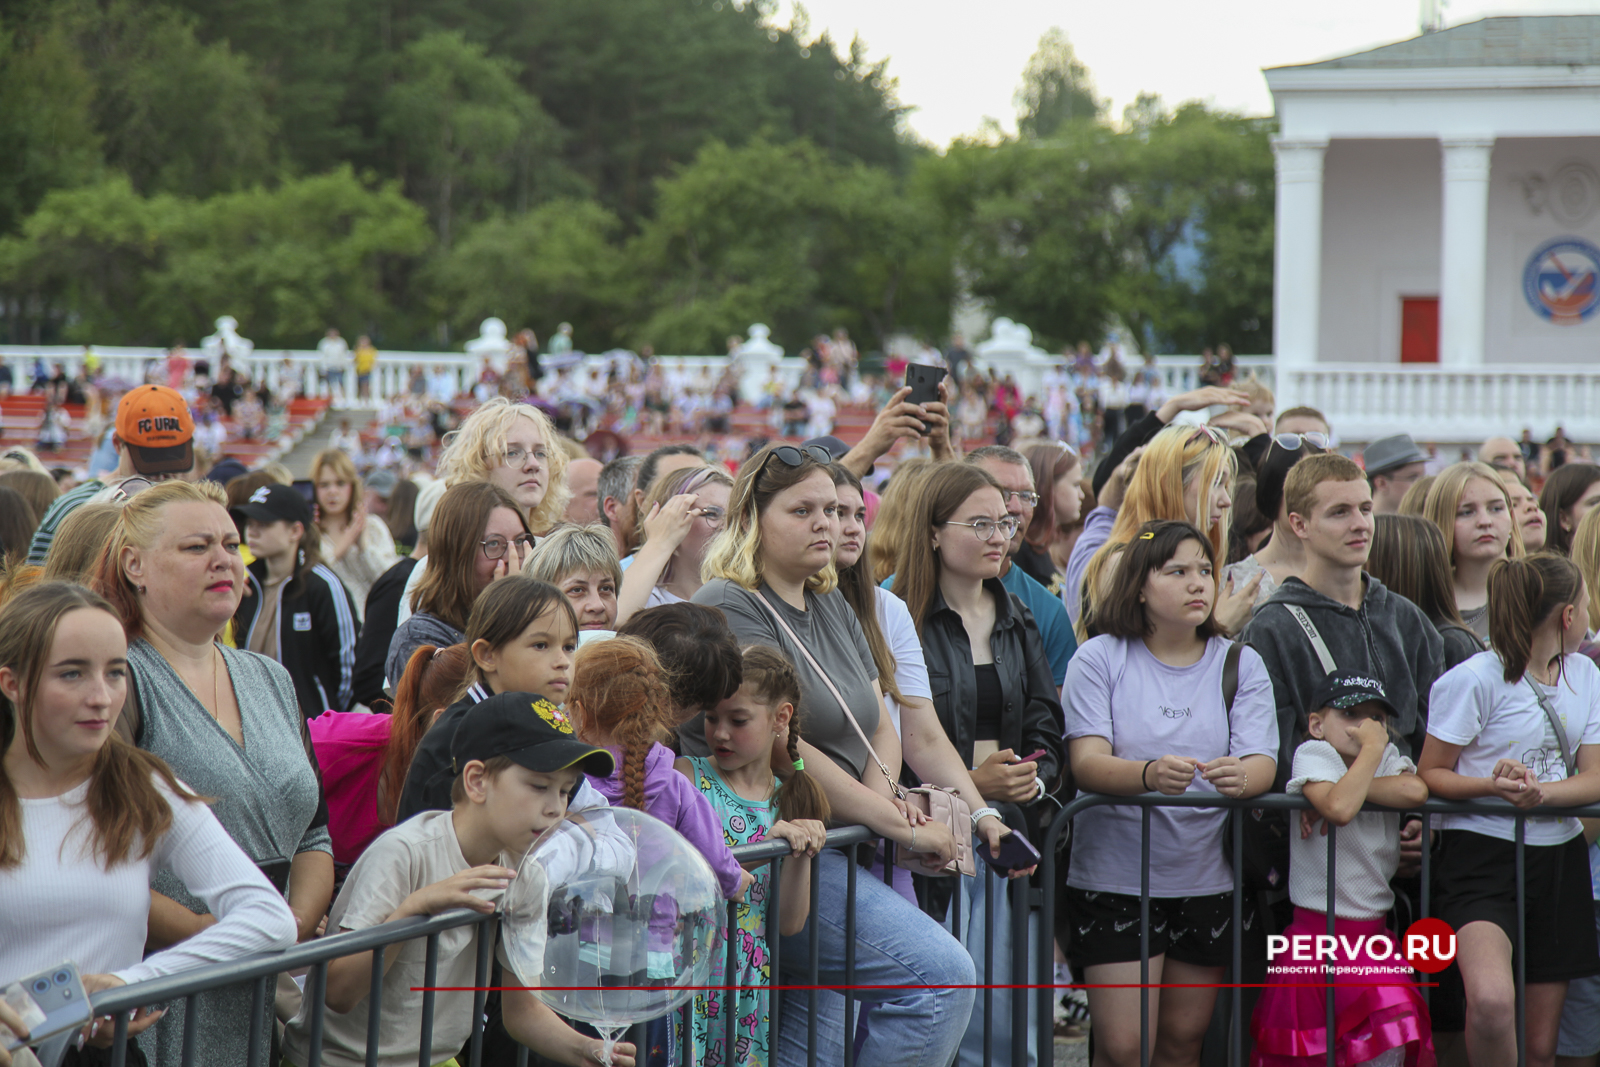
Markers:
49,1003
1016,853
307,489
1031,757
924,381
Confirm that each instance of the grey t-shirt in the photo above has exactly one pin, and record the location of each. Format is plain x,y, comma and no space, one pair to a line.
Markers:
832,634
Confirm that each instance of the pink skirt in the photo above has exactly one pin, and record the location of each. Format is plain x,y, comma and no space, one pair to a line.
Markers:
1373,1013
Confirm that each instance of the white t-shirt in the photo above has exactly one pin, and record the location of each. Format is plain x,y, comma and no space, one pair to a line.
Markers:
61,902
418,853
1117,690
1472,705
910,666
1367,849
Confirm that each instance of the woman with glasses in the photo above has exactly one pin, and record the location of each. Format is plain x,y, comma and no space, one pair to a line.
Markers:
477,535
1282,556
680,515
993,692
771,573
228,723
511,446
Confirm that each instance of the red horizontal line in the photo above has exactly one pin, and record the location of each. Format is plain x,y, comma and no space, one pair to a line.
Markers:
805,988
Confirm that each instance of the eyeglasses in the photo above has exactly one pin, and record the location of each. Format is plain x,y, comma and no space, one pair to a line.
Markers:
1028,497
496,547
516,455
713,515
985,528
1292,441
790,456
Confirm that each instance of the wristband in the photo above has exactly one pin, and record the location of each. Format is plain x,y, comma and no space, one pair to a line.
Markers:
913,846
1143,773
983,813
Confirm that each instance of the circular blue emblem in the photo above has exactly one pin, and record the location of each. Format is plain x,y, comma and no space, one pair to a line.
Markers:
1560,280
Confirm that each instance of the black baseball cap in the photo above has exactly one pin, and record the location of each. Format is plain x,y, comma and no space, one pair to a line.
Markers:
529,731
1346,689
276,503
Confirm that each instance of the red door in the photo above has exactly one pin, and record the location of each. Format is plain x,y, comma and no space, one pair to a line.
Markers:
1419,329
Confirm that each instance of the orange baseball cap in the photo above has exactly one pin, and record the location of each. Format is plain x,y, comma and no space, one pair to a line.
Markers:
154,424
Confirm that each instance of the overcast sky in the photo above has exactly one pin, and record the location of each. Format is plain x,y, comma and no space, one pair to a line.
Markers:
959,61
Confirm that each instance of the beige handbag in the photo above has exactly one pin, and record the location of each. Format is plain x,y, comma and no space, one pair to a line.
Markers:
940,804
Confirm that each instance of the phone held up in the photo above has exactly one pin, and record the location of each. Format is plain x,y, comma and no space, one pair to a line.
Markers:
924,382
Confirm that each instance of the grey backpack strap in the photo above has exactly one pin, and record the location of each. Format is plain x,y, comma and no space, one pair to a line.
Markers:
1230,676
1555,724
1317,643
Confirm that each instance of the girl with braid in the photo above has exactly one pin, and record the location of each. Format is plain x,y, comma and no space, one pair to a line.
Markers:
620,700
753,773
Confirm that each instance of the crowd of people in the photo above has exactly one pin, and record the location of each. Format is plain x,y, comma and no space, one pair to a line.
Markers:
239,712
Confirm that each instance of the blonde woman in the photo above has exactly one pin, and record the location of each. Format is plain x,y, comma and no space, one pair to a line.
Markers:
1586,554
512,446
1471,507
515,447
581,561
356,546
1185,474
683,511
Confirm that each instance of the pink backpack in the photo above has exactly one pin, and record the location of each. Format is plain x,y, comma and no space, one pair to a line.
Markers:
349,747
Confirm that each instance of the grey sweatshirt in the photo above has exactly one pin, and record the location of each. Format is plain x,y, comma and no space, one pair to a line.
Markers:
1388,636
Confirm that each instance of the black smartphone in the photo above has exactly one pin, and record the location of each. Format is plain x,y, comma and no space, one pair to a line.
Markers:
924,381
1016,853
308,489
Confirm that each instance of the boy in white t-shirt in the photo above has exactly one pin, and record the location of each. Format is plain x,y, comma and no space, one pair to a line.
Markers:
515,772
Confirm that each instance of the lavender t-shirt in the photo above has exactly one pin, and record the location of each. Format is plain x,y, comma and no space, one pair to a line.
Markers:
1117,690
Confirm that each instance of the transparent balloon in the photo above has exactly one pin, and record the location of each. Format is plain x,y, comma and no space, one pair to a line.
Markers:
614,918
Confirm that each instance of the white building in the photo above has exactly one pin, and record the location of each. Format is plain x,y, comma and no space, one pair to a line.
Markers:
1438,231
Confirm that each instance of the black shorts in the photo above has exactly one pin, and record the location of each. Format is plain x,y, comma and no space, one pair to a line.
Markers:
1476,881
1194,930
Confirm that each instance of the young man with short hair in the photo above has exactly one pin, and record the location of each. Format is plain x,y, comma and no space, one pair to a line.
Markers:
1303,420
1360,623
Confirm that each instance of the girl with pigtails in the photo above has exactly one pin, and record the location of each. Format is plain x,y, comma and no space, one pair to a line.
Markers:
1520,722
620,700
754,772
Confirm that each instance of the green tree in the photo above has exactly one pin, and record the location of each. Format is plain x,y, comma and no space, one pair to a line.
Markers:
1056,89
1034,227
45,121
175,114
553,263
462,129
778,233
285,261
1196,223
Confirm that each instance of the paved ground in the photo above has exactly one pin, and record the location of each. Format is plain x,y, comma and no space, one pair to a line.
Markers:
298,459
1073,1052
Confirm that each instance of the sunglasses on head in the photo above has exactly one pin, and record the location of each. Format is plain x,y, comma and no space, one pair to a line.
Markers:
791,456
1289,442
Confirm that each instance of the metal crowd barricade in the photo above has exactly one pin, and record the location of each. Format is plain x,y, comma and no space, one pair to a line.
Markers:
1043,956
1025,950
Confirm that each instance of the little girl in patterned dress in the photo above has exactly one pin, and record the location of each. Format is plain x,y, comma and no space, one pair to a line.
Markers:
755,769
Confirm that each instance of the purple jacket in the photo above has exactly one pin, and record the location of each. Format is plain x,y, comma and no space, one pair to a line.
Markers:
1096,532
672,798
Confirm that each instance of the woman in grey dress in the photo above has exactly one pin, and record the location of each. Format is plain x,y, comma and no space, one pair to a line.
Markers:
173,570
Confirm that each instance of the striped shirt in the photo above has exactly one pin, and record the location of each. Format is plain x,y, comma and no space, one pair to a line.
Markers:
60,508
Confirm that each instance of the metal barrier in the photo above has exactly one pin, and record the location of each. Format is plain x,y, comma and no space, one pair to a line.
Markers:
1237,809
262,971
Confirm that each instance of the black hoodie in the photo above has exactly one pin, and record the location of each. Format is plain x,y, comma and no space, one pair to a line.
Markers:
1388,636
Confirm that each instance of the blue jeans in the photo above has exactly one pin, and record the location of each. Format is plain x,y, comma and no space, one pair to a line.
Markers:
896,944
973,910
